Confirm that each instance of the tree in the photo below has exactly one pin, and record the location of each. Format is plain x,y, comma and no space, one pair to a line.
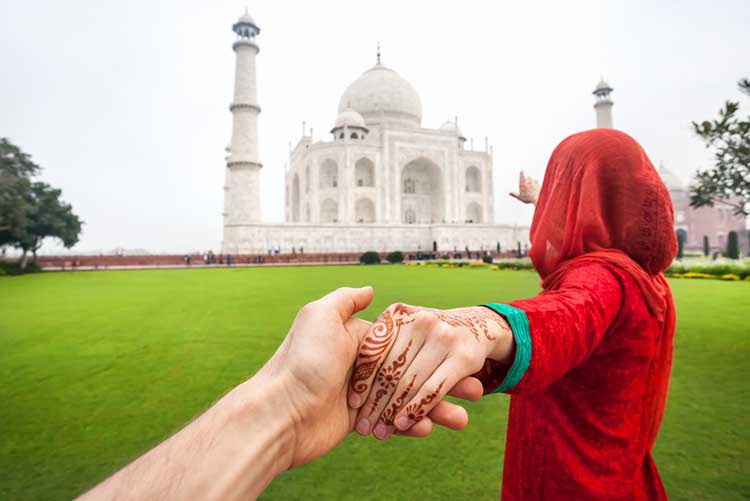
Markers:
733,245
728,181
706,246
16,169
31,211
680,245
48,217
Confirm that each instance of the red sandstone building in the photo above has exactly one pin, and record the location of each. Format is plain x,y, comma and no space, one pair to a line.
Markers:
713,222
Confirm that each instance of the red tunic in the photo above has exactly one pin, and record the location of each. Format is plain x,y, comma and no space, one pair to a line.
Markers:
584,414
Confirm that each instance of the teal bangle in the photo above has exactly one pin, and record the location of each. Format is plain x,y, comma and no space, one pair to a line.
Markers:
519,324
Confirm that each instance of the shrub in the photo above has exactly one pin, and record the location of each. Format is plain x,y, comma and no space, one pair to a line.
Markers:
706,246
733,246
370,257
487,259
514,264
715,269
478,264
12,268
730,276
396,257
697,275
680,245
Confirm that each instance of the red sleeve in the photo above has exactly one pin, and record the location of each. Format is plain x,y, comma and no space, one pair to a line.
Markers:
565,325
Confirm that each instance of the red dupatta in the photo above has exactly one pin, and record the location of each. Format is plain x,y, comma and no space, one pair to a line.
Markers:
602,200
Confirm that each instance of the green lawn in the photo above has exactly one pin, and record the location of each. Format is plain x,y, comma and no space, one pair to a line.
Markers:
96,367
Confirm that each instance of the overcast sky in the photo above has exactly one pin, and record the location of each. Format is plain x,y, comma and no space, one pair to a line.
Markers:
124,104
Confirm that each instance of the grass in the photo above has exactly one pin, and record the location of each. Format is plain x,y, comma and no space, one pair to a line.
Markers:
97,367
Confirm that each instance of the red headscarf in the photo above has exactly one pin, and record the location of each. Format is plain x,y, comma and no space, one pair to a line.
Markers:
602,200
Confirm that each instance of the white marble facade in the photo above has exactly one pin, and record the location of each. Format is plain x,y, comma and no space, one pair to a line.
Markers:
382,182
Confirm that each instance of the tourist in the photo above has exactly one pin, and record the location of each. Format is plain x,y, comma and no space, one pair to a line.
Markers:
271,423
229,260
587,361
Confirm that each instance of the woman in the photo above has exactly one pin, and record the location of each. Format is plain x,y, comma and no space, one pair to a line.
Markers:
587,362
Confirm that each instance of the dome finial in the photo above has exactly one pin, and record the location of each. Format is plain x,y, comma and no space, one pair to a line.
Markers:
378,52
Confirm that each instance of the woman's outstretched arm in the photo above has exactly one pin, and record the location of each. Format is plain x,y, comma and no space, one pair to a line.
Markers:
412,356
555,331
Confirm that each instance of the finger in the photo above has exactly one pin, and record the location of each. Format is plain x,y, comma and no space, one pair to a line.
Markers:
373,349
419,430
388,379
348,301
358,328
415,376
469,388
429,394
447,414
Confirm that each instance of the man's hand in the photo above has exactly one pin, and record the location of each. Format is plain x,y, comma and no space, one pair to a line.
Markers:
314,364
528,189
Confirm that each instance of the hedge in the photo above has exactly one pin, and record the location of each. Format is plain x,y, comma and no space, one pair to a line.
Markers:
370,257
396,257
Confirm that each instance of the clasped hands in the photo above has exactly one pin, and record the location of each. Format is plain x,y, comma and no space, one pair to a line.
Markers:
412,357
334,371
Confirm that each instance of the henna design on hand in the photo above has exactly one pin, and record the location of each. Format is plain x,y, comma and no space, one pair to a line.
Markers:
390,376
477,321
390,413
416,412
376,344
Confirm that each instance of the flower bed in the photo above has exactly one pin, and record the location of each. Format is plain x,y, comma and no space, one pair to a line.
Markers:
732,270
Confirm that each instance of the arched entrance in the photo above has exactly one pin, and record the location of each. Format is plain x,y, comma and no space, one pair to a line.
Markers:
295,199
364,211
422,192
473,213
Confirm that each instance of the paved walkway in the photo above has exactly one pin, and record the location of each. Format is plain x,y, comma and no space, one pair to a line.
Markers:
180,267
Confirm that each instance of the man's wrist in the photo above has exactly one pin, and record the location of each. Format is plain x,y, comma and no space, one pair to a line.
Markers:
262,405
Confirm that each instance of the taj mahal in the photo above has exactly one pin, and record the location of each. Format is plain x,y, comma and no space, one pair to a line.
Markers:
381,182
385,182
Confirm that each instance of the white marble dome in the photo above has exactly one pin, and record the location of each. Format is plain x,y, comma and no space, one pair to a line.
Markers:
382,95
349,118
450,125
246,18
602,88
671,181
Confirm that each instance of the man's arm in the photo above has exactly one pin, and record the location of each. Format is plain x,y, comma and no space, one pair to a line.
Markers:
291,412
232,451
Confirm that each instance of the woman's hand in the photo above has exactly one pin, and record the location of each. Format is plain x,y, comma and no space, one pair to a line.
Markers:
413,356
528,189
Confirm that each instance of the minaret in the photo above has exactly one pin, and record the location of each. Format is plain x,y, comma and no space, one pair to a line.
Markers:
242,185
603,105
